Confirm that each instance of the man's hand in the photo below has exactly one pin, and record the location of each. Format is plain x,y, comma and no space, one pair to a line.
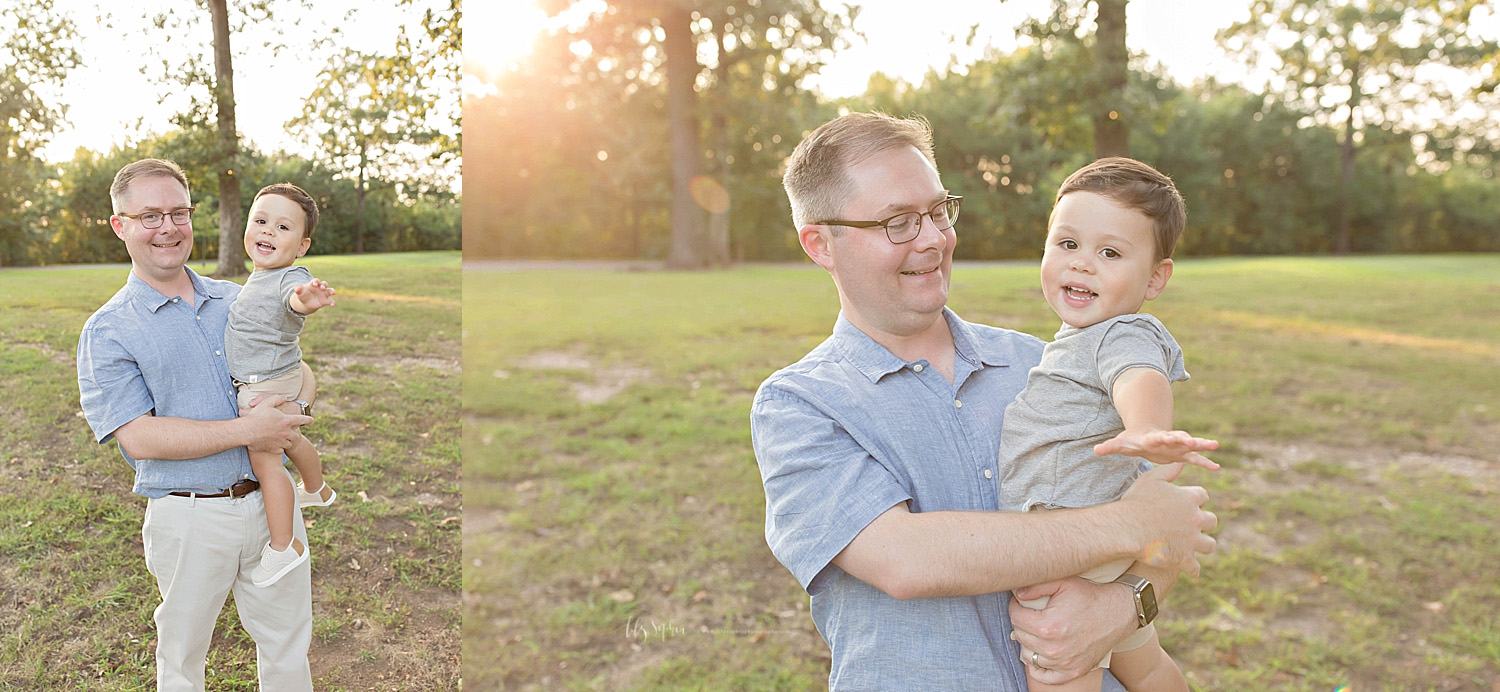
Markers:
1081,623
312,296
1171,519
1161,447
271,430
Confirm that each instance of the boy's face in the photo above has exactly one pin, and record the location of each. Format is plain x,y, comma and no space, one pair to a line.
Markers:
1100,260
274,235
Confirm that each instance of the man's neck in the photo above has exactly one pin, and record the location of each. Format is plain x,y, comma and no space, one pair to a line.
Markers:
932,343
176,284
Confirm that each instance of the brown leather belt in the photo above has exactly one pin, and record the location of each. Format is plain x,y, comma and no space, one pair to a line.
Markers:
240,489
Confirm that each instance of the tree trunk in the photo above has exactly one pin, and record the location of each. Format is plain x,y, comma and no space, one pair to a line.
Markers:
1341,225
688,251
1111,69
359,203
231,230
718,220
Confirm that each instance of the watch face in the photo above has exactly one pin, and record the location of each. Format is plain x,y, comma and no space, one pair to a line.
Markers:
1147,601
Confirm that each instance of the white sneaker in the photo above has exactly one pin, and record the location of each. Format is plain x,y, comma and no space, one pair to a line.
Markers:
275,564
307,499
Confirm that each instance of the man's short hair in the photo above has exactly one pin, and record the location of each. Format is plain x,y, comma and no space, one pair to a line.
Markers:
298,195
1134,185
145,168
817,178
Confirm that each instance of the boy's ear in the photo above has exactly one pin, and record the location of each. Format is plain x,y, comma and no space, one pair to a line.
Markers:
817,244
306,243
1159,276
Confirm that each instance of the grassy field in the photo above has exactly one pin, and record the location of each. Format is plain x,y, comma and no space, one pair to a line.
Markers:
75,598
614,513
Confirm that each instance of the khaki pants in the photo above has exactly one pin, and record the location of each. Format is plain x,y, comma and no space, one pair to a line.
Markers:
201,549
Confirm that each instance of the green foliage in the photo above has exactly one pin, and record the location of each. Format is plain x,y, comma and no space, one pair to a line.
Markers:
38,53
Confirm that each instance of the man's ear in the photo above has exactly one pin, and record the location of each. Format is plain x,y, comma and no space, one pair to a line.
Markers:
817,242
1159,276
118,224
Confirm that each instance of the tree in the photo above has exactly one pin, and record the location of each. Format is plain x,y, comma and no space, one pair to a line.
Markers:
1361,63
38,52
361,116
184,69
231,253
1102,91
659,47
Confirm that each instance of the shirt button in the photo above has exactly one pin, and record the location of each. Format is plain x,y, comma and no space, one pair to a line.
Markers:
958,404
987,474
917,367
198,317
218,353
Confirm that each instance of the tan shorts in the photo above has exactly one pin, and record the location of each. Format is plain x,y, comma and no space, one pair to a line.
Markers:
288,385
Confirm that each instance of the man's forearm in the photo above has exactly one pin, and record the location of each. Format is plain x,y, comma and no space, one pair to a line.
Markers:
937,554
155,437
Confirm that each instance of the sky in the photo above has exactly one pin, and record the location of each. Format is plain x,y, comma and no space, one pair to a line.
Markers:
107,95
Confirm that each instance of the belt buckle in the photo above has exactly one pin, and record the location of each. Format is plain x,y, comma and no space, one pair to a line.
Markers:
243,488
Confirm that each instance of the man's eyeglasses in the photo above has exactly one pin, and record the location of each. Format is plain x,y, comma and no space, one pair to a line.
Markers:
154,219
904,227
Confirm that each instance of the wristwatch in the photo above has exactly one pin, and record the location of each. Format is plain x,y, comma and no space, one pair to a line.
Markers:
307,408
1145,597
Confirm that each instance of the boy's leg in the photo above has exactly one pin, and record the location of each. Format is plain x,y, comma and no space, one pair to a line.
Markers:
280,500
309,466
1147,668
278,617
192,547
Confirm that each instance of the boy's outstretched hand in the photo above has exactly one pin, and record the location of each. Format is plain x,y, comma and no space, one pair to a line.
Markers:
1161,447
312,297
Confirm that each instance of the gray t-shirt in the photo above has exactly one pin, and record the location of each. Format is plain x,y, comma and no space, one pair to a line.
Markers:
1047,447
260,341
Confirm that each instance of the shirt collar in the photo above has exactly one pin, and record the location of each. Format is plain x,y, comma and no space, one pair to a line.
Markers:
153,300
875,361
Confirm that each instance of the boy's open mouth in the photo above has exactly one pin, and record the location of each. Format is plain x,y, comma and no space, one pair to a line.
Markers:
1078,293
265,246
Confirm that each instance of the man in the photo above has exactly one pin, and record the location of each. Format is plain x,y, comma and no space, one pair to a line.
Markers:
152,375
878,453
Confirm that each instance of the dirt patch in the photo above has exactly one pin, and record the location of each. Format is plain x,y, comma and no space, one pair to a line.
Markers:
1370,462
607,381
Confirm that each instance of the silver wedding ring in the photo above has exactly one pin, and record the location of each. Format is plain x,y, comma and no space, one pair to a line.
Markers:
1033,660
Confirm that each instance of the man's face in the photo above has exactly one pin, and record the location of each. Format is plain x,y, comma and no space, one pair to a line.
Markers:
158,252
274,235
1100,261
896,289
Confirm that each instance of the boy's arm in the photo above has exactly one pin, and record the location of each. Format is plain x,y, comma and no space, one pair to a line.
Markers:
1143,397
311,297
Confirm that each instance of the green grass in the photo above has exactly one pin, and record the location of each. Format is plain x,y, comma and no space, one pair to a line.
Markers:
76,605
615,513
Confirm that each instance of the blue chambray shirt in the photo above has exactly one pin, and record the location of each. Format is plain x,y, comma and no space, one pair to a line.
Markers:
143,352
848,432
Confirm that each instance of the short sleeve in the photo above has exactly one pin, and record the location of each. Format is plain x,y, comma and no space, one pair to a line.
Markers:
1138,342
111,388
822,487
294,276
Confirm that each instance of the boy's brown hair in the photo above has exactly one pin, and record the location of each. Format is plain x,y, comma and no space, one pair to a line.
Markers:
298,195
1134,185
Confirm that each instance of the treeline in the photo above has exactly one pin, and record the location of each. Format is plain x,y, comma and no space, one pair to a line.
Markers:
381,132
71,213
571,155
